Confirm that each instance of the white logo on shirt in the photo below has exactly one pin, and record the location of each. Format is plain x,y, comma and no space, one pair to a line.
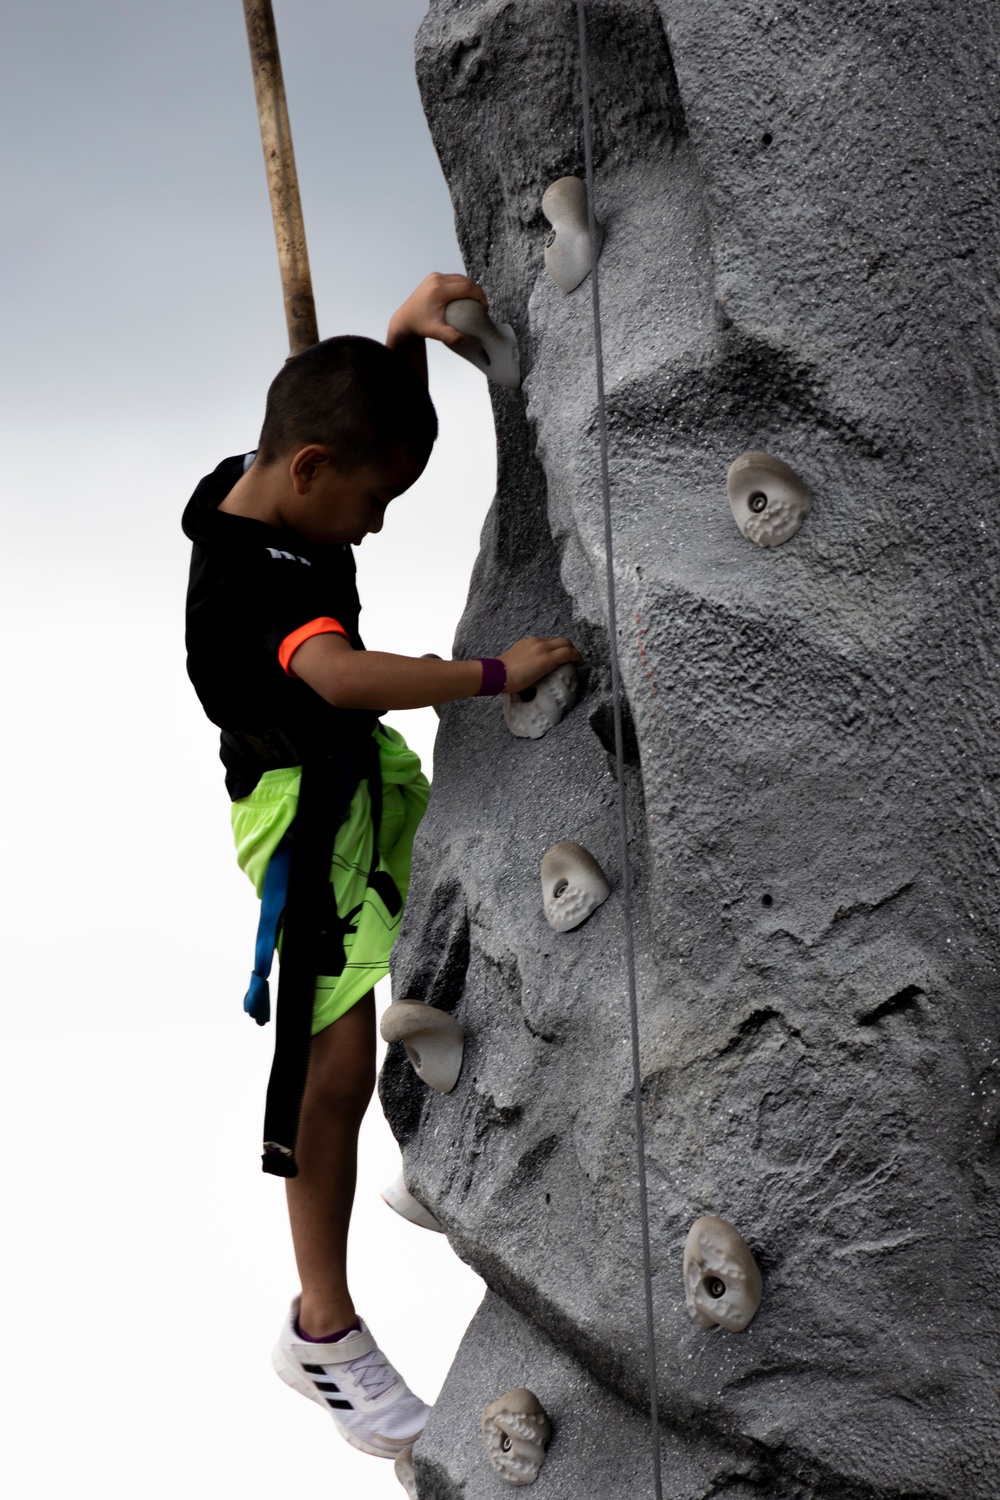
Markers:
288,556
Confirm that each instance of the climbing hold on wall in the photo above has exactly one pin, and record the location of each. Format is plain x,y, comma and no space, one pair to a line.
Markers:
434,1041
573,885
567,250
722,1283
768,499
404,1471
515,1431
492,347
399,1198
532,713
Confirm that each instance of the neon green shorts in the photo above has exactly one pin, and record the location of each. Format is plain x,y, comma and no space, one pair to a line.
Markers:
369,929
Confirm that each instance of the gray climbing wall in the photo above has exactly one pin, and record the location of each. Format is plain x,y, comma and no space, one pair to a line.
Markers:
801,256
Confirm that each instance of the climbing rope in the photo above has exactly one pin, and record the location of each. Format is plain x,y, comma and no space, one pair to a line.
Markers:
616,695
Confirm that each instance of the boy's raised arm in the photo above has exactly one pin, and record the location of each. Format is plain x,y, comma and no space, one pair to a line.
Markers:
380,680
422,317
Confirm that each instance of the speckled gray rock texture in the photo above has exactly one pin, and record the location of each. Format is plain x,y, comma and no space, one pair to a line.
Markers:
600,1443
801,256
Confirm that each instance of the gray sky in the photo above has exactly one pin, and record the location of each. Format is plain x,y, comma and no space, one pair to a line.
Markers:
142,321
137,242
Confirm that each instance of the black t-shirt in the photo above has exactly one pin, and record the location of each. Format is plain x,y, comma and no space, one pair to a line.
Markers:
252,586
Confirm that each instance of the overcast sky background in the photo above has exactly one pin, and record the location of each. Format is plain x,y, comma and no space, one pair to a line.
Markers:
146,1262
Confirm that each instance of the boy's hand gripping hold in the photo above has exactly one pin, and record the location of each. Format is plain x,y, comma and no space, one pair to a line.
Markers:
422,317
380,680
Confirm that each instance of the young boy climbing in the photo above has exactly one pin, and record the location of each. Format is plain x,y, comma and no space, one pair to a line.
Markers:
276,659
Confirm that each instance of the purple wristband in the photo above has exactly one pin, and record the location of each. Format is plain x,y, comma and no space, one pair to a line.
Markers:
494,676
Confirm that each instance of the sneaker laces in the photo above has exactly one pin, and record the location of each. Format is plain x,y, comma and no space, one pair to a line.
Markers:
372,1373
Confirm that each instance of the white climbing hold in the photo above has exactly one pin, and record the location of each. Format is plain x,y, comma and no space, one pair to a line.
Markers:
573,885
434,1041
491,347
538,709
567,250
722,1282
769,501
515,1431
399,1198
404,1471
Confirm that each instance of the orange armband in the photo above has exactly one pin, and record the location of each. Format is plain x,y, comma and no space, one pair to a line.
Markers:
322,626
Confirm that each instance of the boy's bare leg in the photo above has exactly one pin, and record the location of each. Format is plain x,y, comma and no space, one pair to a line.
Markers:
338,1088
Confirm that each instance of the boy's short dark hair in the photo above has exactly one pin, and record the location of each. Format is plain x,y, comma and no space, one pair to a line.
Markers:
353,395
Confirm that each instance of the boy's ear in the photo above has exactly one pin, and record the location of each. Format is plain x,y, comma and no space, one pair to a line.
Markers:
306,464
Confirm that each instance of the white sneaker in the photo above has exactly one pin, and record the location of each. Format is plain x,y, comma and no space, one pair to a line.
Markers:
370,1402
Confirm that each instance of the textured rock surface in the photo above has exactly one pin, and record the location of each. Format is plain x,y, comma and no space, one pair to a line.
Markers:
600,1444
801,256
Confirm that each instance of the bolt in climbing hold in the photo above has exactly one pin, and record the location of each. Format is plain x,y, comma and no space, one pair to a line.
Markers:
722,1282
568,257
539,708
768,499
516,1430
573,885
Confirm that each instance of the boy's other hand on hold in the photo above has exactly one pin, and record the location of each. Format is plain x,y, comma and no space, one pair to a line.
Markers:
422,317
534,658
329,664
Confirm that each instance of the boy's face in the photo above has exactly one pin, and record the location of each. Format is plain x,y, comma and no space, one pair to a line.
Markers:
333,507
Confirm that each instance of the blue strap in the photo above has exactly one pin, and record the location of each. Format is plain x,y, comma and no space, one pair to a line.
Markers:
257,1002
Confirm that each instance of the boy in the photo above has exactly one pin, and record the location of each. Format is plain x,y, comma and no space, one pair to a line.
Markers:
275,656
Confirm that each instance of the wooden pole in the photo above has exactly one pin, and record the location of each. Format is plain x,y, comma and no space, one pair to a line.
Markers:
282,179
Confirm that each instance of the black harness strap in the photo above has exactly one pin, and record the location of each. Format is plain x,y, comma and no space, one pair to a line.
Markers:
325,793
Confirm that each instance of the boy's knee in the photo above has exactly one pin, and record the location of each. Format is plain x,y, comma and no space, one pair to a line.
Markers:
341,1085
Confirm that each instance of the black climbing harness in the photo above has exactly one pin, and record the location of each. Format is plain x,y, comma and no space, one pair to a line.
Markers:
616,694
298,893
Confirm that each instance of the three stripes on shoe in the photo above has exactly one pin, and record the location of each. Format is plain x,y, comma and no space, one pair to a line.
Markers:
327,1385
